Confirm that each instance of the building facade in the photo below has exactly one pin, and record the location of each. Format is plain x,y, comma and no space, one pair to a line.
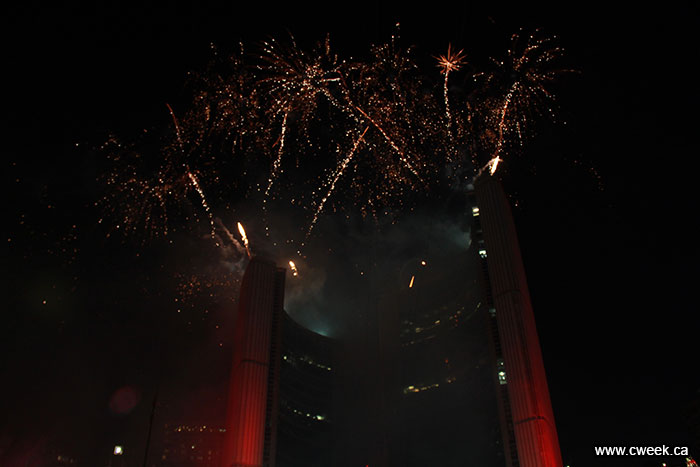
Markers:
527,421
306,418
251,426
417,387
280,407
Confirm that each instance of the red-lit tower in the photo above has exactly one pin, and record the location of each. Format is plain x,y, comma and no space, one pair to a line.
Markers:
529,433
253,394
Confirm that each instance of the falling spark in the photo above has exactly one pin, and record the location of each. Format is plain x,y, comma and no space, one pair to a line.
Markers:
276,165
401,154
195,183
293,266
395,134
410,285
245,238
177,126
339,172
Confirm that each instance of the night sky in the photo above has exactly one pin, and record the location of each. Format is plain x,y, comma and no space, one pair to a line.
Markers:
605,207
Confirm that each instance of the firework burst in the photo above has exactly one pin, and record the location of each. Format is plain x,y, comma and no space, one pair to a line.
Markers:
448,63
293,82
365,134
519,88
139,197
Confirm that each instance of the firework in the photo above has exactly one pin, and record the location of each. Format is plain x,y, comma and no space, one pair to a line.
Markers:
205,205
370,129
339,172
245,238
448,63
293,81
524,77
139,197
293,267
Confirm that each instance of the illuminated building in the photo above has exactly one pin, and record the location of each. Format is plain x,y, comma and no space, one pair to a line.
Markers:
251,425
305,435
437,350
191,443
280,399
447,410
527,422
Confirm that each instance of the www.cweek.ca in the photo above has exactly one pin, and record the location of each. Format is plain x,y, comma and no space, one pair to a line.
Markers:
641,451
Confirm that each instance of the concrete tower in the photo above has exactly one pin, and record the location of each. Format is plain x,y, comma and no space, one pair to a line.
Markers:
253,394
530,436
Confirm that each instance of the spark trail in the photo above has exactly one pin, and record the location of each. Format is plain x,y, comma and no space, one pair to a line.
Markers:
241,230
195,183
401,154
448,63
277,163
338,173
398,133
230,236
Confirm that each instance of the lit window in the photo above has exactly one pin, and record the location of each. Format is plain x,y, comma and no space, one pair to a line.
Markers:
475,211
482,253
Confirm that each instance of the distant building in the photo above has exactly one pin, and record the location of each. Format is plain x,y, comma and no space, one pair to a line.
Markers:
191,444
306,418
447,409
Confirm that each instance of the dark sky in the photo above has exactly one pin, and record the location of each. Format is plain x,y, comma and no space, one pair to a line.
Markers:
605,208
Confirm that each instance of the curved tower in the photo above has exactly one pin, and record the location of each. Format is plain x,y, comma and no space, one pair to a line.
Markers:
530,436
252,407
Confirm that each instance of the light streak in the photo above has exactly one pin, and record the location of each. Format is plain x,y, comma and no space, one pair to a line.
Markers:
447,63
245,239
293,267
177,126
410,285
339,172
229,235
493,165
276,165
401,154
397,134
195,183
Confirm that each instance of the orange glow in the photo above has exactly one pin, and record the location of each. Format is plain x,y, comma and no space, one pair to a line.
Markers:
244,237
293,266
